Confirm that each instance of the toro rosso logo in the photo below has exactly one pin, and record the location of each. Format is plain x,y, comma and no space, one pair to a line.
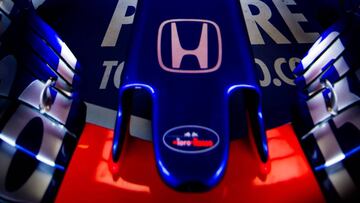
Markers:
191,139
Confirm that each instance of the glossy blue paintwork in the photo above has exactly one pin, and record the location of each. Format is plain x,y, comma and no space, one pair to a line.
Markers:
36,140
327,115
39,55
189,95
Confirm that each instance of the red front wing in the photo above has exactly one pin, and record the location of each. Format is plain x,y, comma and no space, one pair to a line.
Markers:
89,179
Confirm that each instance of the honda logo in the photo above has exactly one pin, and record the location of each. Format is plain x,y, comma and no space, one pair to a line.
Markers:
185,53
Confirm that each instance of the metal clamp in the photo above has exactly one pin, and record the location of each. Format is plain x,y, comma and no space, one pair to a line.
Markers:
332,107
45,96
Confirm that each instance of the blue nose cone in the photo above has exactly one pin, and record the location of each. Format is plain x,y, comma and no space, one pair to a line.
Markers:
191,57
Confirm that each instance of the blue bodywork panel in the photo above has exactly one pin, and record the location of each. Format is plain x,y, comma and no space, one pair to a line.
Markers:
41,112
327,115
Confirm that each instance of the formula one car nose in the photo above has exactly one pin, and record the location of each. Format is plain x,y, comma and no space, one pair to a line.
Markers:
198,83
191,63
